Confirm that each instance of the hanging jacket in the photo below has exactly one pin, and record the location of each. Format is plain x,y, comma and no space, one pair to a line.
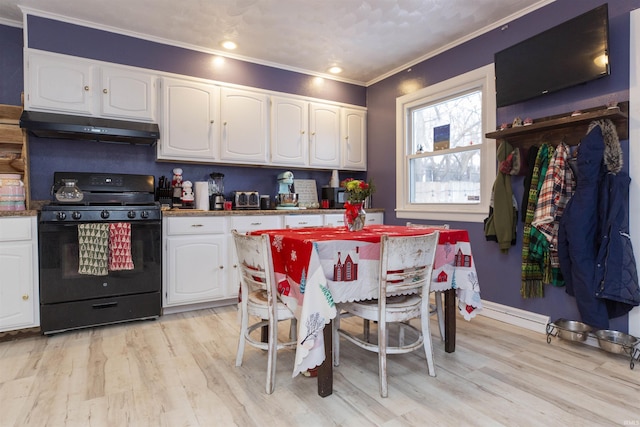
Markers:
616,273
500,225
578,231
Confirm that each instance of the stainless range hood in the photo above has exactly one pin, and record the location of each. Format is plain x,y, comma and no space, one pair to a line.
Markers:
51,125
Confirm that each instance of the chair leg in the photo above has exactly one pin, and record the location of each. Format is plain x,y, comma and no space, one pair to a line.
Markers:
243,329
428,349
382,358
366,329
272,348
293,330
440,313
335,325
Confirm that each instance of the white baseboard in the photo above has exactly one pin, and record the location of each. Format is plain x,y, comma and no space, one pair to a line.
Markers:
515,316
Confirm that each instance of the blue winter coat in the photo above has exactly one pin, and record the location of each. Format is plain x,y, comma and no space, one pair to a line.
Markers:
578,230
596,256
616,273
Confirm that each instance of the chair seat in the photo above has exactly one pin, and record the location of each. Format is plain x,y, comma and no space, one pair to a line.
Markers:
257,306
399,308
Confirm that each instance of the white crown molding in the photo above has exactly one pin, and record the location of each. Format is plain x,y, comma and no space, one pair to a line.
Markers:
461,40
97,26
10,23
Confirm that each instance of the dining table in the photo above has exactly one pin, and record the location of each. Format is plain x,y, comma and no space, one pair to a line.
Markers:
318,267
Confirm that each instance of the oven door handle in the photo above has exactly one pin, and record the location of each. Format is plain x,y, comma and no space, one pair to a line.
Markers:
105,305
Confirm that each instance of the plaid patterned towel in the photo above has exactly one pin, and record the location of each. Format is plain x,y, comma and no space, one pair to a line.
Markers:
120,246
93,244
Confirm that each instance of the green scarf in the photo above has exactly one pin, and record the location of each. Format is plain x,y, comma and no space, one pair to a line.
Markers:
535,250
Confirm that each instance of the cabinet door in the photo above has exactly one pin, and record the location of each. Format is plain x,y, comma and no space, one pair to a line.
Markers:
18,296
289,124
293,221
195,269
244,126
324,128
59,83
354,140
334,220
189,127
128,94
374,218
244,224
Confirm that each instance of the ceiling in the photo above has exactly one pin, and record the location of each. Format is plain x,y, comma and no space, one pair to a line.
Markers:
368,39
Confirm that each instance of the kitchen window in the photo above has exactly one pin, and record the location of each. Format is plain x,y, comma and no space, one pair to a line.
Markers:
445,167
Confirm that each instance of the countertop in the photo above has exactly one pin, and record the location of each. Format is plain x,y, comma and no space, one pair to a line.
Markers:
36,205
195,212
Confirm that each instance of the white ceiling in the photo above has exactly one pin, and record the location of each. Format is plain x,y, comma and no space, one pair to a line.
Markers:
369,39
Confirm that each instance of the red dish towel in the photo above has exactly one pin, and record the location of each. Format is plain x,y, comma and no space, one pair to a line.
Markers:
120,246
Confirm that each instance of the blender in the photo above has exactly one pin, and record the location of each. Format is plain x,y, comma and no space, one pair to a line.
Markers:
287,198
216,191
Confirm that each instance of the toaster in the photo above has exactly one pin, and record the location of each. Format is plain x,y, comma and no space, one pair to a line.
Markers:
246,200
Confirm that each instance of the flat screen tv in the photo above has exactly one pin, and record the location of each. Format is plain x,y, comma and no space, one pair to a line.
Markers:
566,55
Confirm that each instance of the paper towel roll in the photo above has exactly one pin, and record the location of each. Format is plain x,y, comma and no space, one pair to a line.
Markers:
202,195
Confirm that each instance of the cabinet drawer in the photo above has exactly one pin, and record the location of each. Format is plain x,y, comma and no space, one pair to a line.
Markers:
303,221
255,222
196,225
15,228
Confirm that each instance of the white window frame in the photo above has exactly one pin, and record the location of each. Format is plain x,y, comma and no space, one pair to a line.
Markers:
482,79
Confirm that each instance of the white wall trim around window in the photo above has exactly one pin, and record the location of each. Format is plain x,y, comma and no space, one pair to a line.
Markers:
481,78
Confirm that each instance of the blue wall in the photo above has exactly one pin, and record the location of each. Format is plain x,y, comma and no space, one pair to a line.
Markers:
499,274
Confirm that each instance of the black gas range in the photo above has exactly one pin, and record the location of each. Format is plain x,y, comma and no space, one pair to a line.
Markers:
105,197
73,296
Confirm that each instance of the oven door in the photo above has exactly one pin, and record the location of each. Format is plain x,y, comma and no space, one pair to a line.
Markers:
59,277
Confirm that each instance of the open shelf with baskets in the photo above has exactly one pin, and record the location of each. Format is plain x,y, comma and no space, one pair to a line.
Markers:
13,146
611,341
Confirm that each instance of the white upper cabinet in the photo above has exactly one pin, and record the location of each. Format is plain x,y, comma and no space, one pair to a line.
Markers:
63,84
244,115
67,84
354,140
189,129
128,94
289,131
324,138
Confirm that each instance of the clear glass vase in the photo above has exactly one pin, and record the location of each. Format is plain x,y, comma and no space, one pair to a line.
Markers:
354,216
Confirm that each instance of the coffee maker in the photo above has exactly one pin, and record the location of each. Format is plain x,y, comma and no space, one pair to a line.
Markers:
216,191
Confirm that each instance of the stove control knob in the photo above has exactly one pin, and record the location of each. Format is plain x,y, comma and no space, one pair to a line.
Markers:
131,214
76,215
104,214
61,216
144,214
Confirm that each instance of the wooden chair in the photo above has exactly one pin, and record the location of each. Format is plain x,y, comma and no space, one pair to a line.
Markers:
438,307
259,298
406,264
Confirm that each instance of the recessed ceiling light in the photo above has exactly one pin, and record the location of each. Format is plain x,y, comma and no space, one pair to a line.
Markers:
228,44
335,70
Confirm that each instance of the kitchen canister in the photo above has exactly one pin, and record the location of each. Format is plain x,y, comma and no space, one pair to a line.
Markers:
11,192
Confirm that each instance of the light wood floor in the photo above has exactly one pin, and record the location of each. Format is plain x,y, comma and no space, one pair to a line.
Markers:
179,371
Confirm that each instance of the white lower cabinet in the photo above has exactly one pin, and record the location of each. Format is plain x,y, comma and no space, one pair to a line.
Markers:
311,220
244,224
200,266
195,257
337,220
19,292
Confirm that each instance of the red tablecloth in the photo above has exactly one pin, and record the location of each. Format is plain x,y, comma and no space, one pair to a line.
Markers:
317,267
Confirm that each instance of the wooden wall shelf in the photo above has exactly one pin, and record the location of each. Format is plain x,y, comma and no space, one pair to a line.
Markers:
564,127
13,146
